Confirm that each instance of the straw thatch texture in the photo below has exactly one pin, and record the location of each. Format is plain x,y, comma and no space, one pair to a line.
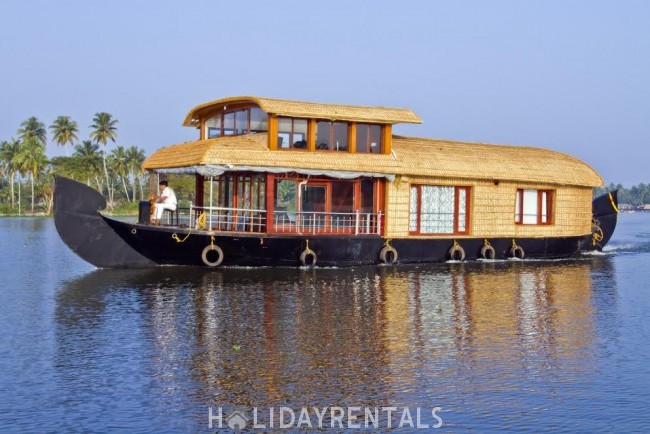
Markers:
493,208
310,110
411,156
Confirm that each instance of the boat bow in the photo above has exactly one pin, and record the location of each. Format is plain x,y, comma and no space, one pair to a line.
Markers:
85,231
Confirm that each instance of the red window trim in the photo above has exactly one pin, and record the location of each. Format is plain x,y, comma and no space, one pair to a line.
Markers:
468,191
378,202
549,208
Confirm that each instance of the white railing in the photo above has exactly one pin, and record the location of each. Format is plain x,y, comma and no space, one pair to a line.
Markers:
223,219
228,219
356,223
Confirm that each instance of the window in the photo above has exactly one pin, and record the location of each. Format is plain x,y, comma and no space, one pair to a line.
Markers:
342,196
241,122
237,122
439,210
369,138
332,136
229,124
213,126
534,207
259,121
292,133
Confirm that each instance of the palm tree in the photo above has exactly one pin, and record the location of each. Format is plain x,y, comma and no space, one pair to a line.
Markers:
87,149
89,154
32,160
120,167
65,131
104,129
33,128
4,162
8,153
134,160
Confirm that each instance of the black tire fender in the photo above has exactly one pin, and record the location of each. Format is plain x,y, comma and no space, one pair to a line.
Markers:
488,252
383,255
517,252
454,250
305,254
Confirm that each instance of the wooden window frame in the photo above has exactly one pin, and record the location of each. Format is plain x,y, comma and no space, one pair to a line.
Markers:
331,122
222,116
456,231
385,135
381,138
550,208
291,133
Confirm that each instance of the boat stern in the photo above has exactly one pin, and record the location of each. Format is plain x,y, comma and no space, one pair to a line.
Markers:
604,211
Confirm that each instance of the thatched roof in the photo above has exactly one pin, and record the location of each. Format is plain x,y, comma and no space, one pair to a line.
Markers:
411,156
310,110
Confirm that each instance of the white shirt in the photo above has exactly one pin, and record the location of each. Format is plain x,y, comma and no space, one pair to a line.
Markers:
170,196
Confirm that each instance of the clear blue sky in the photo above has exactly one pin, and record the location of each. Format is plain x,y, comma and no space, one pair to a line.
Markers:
573,76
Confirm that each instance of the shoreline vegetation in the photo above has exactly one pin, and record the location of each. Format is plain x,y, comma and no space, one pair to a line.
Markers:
26,174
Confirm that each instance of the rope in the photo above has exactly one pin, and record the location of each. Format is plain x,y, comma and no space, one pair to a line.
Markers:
514,244
307,249
387,243
201,225
200,222
611,200
486,243
178,240
598,235
456,245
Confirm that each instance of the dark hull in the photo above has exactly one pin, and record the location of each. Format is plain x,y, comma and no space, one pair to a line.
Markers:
268,250
604,210
110,243
85,231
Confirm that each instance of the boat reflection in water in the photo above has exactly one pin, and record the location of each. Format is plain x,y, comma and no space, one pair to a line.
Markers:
467,337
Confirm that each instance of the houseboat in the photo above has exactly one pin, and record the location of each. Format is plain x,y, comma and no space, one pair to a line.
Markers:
290,183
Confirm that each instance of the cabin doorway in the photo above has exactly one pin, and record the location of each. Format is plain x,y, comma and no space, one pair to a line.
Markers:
314,207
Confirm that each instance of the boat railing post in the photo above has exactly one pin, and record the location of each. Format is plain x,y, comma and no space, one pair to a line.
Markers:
210,214
379,223
356,224
189,223
368,218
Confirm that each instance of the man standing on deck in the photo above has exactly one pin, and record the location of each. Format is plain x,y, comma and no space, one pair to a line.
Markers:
166,200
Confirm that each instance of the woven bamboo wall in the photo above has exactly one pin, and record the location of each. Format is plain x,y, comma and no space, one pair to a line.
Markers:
492,209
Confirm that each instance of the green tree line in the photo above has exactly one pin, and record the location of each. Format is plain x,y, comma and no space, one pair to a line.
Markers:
26,181
636,195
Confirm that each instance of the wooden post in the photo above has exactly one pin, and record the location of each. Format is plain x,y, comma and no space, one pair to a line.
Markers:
352,137
273,133
199,190
153,184
270,201
386,139
311,140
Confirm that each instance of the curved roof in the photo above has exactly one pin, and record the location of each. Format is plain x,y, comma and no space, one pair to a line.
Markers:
311,110
411,156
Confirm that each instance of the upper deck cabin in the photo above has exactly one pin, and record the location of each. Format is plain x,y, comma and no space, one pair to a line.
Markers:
295,125
300,167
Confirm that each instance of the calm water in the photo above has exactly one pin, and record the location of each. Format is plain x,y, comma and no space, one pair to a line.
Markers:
525,346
